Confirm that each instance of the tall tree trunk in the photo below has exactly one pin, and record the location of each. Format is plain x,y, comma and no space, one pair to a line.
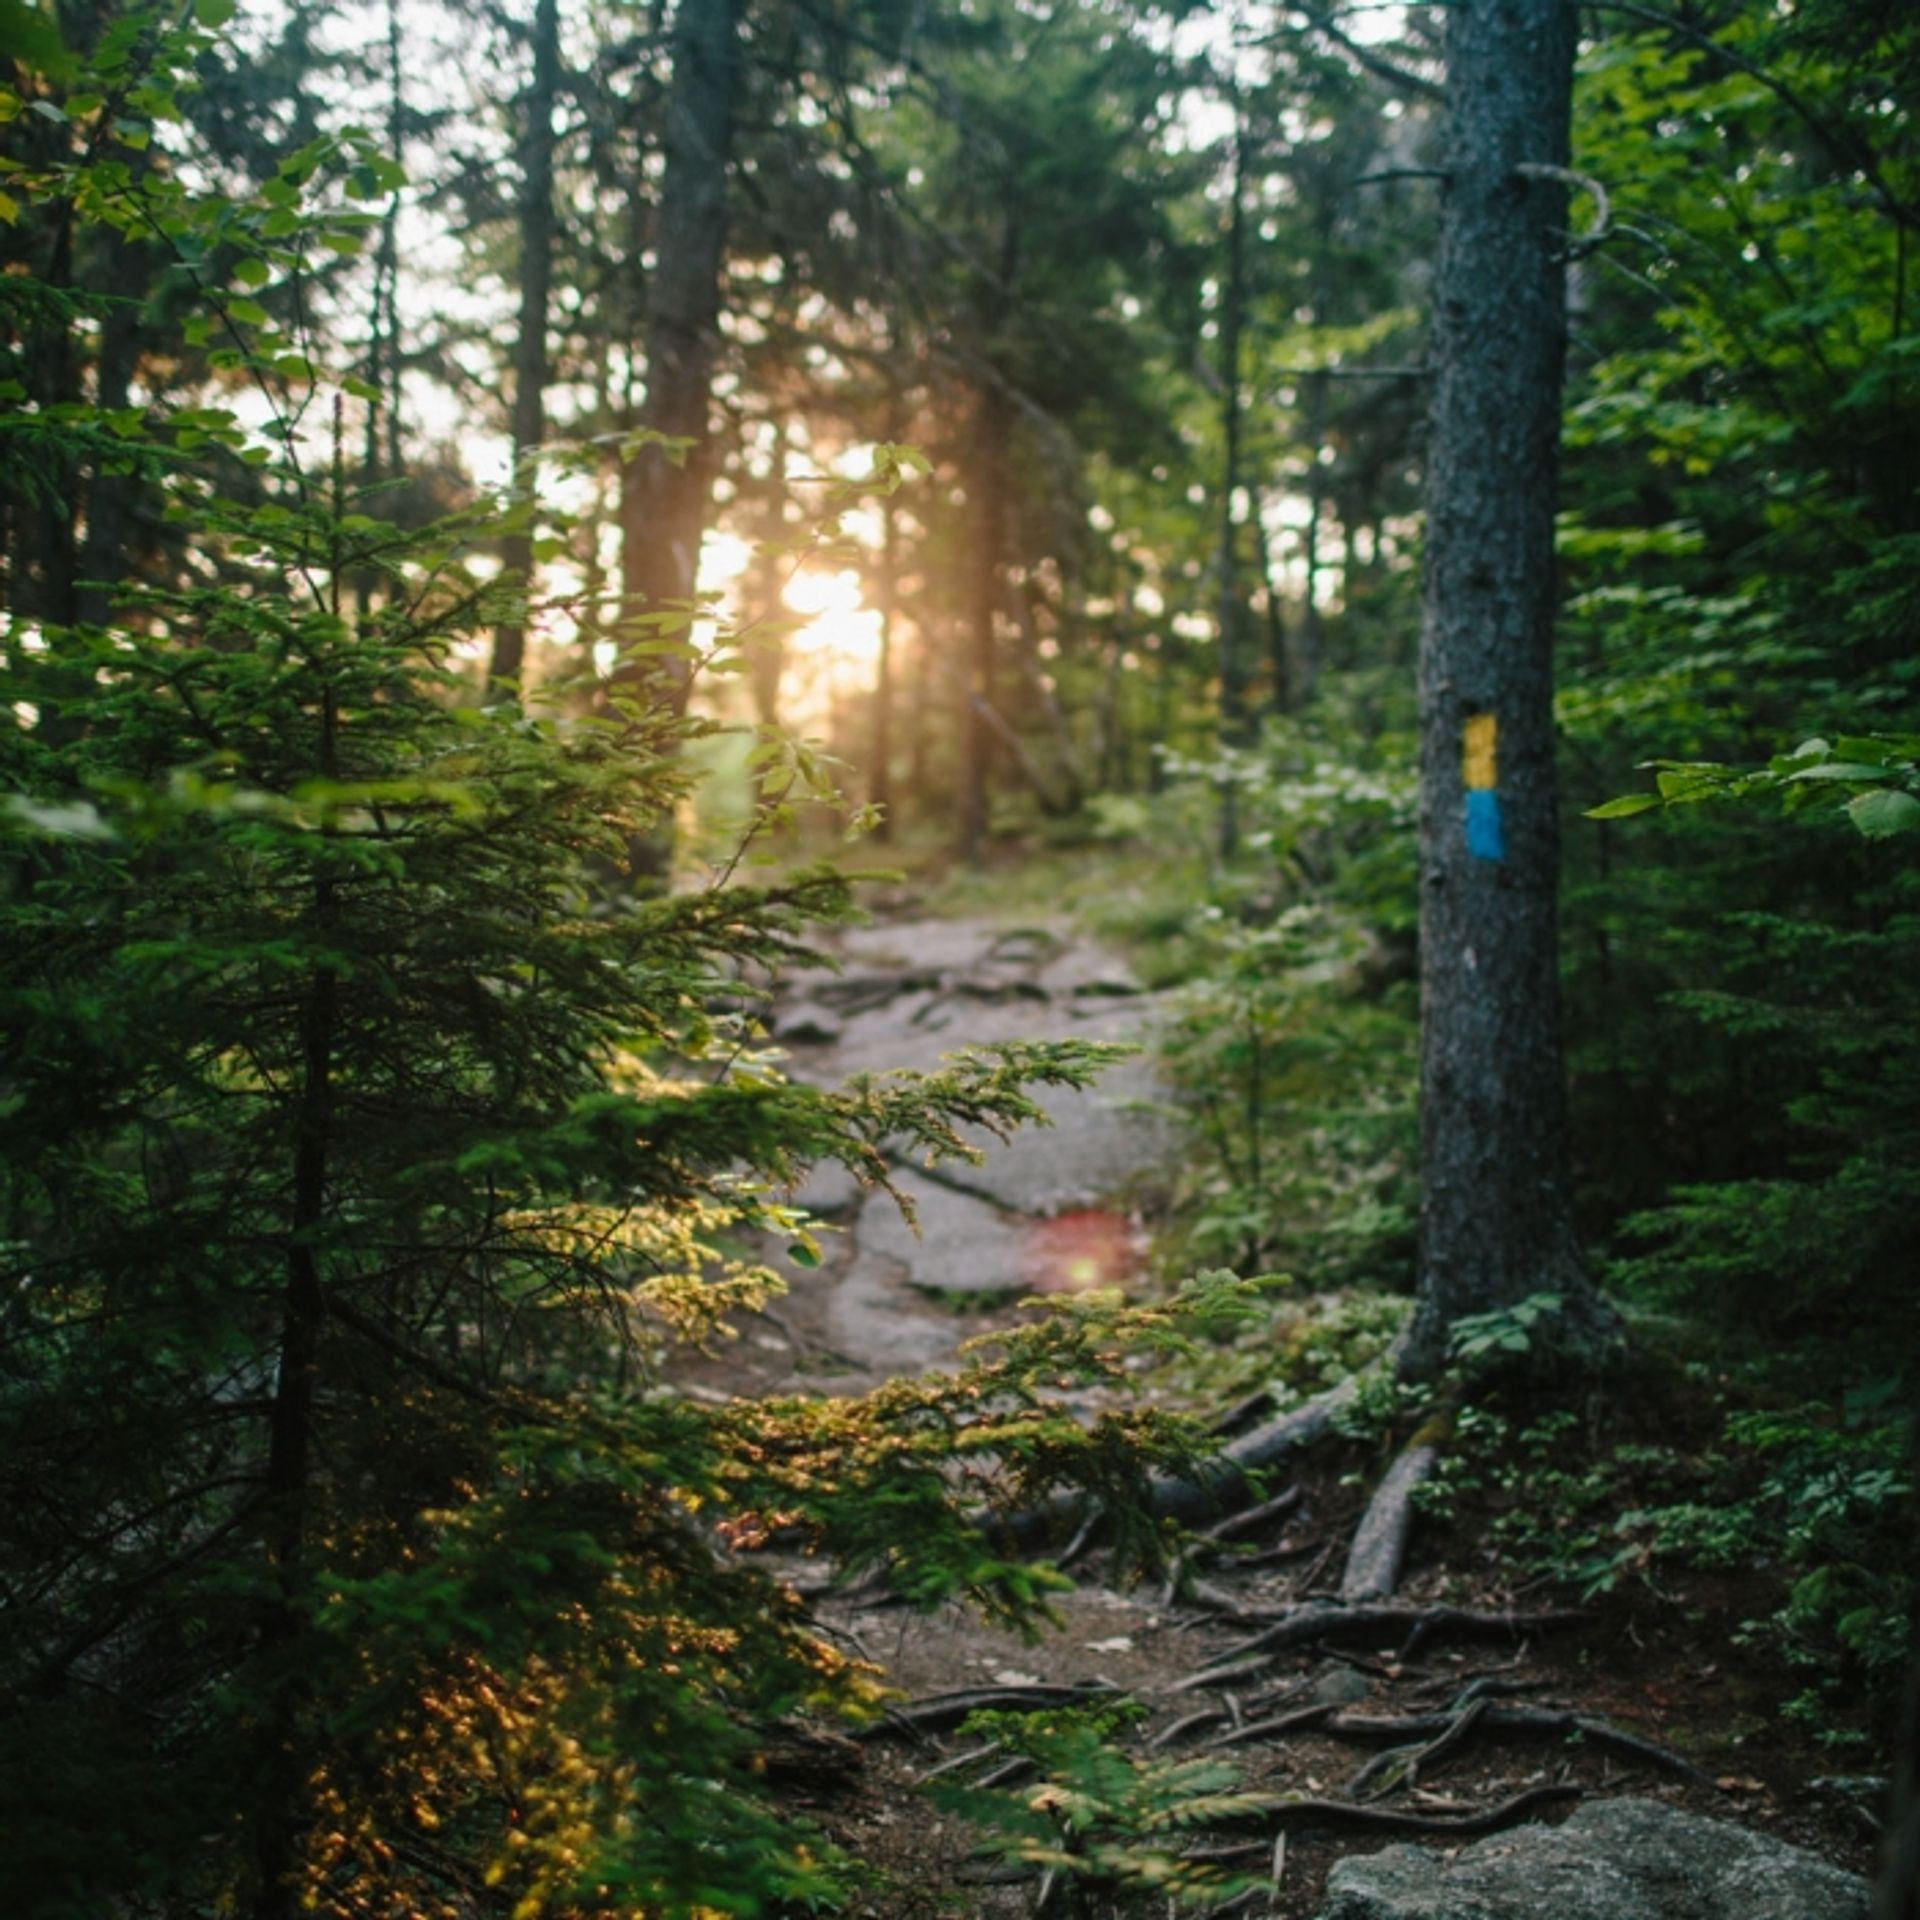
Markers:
663,505
886,596
880,752
290,1418
1312,635
1233,668
920,718
1280,670
986,491
113,498
1496,1223
1115,768
530,350
1073,777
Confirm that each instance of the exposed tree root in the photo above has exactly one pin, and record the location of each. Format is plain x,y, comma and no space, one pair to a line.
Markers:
1254,1518
1400,1766
1380,1542
1384,1620
1215,1487
1222,1482
940,1710
1283,1723
1318,1812
1521,1720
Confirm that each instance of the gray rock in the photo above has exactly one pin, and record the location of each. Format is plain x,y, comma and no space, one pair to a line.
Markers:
945,946
829,1192
1614,1860
1099,1141
964,1245
876,1322
1090,973
1335,1684
807,1024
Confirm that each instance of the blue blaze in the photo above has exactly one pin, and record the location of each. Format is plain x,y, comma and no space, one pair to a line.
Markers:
1486,837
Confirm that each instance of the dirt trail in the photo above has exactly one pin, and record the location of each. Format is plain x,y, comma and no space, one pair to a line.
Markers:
1058,1209
1064,1208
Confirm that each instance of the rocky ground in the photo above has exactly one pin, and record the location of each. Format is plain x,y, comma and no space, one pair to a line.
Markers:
1460,1703
1062,1208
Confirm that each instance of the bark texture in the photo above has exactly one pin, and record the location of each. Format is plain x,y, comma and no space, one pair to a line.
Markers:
663,506
986,511
1496,1223
1233,667
530,363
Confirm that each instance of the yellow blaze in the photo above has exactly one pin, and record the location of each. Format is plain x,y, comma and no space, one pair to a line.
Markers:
1479,760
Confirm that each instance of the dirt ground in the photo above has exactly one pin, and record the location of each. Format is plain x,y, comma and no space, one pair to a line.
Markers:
1065,1208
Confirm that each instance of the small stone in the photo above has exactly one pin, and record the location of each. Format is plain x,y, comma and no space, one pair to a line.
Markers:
1338,1685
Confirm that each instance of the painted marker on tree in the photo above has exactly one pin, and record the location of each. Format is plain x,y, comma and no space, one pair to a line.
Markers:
1480,769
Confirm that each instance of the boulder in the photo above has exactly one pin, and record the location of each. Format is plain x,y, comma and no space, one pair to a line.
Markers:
1613,1860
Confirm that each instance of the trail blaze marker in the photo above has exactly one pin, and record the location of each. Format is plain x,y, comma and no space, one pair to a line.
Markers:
1480,770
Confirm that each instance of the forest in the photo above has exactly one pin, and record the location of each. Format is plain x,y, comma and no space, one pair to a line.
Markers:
959,957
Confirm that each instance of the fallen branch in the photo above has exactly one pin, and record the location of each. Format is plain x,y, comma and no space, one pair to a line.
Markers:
1380,1541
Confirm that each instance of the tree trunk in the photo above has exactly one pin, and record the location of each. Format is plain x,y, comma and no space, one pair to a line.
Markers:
986,489
530,350
663,506
886,597
106,556
1280,674
1496,1224
1232,307
1311,636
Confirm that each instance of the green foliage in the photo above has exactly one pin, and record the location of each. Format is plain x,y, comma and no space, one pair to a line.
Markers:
1878,775
365,1138
1507,1332
1741,563
1100,1823
1812,1505
1292,1045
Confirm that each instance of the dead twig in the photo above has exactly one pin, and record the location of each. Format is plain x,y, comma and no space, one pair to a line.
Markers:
1187,1724
960,1762
1223,1675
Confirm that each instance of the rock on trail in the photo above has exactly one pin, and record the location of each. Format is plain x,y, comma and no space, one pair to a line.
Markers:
1614,1860
1047,1212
